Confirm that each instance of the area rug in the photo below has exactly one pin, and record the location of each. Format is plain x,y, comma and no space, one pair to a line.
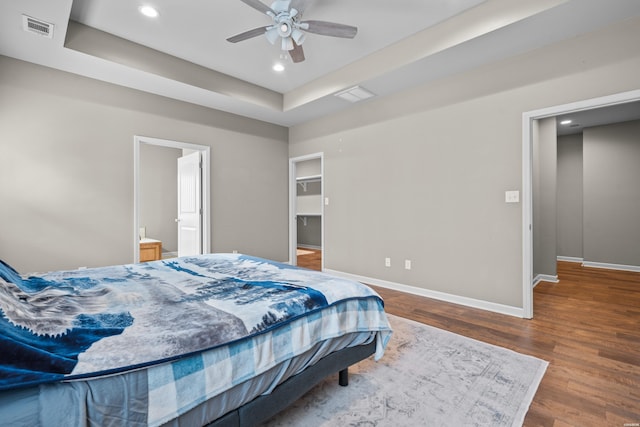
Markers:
427,377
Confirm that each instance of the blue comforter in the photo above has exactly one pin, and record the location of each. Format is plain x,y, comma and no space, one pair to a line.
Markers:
88,323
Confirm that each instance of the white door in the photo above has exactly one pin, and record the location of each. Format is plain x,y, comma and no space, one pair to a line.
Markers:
189,200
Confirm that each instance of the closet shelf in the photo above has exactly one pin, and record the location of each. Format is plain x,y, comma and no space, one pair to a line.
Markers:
304,217
310,178
304,180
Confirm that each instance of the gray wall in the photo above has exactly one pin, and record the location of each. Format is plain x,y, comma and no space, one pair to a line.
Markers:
308,168
570,196
421,175
310,235
66,146
612,194
544,187
159,194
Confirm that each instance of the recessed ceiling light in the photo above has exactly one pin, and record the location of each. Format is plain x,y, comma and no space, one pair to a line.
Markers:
565,122
278,67
149,11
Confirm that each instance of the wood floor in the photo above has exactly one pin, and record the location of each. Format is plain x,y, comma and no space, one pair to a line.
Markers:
587,327
311,260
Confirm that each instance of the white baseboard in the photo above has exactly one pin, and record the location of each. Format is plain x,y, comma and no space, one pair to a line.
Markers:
600,264
314,247
166,255
569,259
441,296
611,266
545,278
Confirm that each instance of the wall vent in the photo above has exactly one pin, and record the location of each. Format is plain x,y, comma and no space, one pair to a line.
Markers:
37,26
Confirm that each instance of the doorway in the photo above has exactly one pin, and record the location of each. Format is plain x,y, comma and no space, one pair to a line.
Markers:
306,211
528,119
204,192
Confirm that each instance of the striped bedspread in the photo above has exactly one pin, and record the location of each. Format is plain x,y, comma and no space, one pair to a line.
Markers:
178,387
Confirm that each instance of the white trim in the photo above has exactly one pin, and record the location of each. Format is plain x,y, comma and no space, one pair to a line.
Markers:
545,278
527,205
527,217
166,255
608,266
569,259
314,247
293,219
441,296
206,183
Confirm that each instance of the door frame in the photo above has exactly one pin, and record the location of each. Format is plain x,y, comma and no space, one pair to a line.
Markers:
205,152
293,218
527,177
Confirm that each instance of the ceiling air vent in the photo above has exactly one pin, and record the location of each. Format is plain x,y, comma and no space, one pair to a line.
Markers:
354,94
37,26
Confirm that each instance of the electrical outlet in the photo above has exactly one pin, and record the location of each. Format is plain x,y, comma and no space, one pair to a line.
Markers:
407,264
235,251
387,262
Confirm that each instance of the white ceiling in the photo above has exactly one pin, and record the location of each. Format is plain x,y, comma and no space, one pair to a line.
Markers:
400,44
196,30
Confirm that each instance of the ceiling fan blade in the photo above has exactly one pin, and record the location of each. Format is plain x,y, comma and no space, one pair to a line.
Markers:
297,54
258,5
330,29
248,34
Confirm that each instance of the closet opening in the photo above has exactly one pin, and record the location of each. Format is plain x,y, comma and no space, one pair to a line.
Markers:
306,203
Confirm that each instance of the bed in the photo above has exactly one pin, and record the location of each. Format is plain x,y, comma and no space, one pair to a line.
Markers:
218,339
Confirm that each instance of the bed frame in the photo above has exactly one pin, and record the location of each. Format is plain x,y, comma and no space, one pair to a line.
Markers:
267,405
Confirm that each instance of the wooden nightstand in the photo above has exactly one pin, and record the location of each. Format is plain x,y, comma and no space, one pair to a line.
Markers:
150,250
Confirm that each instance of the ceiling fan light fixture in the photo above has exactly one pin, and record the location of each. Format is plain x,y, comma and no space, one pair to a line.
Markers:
280,5
298,36
272,34
287,43
284,28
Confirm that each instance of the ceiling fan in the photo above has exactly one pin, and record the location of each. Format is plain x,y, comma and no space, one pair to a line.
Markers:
289,29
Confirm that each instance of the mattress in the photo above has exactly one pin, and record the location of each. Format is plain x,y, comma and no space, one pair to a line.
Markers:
111,399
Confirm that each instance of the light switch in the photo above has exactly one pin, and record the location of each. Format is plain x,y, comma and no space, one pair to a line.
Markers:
512,196
326,201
